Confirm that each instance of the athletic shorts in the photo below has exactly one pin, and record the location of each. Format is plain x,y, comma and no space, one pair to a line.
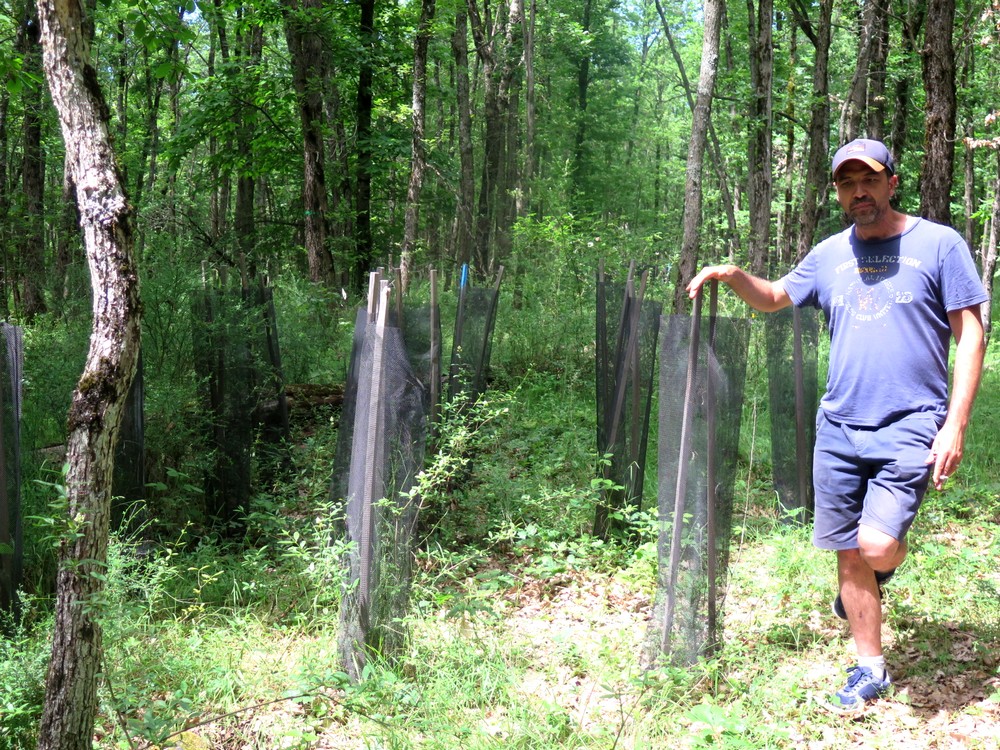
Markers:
875,476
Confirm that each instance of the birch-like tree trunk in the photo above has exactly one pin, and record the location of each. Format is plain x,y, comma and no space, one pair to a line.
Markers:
696,152
96,411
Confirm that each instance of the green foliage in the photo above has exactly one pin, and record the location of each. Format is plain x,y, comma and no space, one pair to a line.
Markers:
315,329
24,654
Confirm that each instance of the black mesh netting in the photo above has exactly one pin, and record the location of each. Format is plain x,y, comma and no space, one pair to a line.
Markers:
473,339
380,450
129,480
698,444
626,336
792,349
236,359
11,529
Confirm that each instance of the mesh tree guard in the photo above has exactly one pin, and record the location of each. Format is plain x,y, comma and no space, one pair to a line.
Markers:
380,450
792,337
274,425
473,339
11,524
236,358
702,372
129,481
627,329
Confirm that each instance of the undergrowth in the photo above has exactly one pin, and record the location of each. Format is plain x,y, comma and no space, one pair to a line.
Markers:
525,631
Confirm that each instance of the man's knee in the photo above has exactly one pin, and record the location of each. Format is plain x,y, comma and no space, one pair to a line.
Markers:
877,548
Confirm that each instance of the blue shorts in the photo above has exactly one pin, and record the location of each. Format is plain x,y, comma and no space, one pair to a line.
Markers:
875,476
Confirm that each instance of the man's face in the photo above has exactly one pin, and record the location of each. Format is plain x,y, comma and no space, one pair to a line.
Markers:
864,193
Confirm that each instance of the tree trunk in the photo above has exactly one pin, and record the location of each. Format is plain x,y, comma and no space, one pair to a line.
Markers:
5,232
98,402
875,107
990,255
250,44
524,203
786,226
852,113
969,127
728,202
817,168
418,160
466,182
364,245
305,46
760,178
696,152
31,237
939,112
911,23
497,53
582,86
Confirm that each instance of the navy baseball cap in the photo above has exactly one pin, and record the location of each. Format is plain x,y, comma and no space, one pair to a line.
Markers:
872,153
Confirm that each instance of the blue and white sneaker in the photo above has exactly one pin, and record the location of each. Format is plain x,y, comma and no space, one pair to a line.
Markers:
862,687
880,578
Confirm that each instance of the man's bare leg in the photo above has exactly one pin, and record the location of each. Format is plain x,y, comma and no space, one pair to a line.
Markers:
877,551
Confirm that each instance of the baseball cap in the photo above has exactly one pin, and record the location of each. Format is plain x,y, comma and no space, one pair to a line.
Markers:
872,153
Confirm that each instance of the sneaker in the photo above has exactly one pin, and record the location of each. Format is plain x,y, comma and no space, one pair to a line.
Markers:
880,578
862,686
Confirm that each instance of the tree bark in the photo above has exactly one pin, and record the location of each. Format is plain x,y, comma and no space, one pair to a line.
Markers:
785,230
464,237
524,202
875,107
728,202
96,411
305,45
990,255
912,20
760,177
853,112
418,159
696,153
817,169
497,52
939,112
5,276
364,245
31,237
582,87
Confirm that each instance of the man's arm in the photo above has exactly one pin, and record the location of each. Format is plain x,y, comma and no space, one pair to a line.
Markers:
760,294
946,452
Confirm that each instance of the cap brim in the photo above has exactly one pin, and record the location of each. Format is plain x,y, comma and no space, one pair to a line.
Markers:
874,164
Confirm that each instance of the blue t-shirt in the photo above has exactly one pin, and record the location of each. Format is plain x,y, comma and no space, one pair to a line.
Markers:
886,304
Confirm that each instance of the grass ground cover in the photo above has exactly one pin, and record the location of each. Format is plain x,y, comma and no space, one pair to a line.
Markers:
525,631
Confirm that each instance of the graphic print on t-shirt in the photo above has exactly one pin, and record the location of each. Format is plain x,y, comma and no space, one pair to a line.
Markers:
870,292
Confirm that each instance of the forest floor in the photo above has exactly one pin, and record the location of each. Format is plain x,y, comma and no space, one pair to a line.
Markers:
570,644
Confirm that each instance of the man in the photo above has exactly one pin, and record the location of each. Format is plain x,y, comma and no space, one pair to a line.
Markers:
894,289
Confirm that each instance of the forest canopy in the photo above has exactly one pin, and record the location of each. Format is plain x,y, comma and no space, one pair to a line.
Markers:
285,133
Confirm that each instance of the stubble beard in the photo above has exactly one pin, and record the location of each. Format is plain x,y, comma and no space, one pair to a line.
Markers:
866,214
